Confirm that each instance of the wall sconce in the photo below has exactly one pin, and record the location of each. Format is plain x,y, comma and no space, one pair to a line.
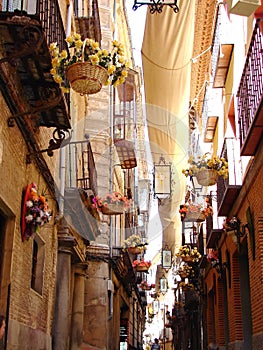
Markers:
166,258
240,230
156,6
163,284
162,180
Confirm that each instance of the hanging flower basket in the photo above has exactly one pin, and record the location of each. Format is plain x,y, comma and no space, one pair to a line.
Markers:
207,177
86,78
112,209
187,258
141,265
139,268
86,67
135,250
195,217
112,204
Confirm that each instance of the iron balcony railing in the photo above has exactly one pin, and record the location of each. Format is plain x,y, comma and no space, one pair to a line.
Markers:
87,19
228,189
250,91
215,49
49,13
81,172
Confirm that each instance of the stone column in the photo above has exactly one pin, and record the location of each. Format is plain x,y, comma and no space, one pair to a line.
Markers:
62,302
95,328
78,306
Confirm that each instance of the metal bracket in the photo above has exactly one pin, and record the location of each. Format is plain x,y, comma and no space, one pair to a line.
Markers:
59,140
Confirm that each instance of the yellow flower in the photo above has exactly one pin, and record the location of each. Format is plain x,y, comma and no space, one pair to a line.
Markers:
124,73
94,59
55,62
78,44
65,90
115,43
58,79
95,45
53,46
107,82
111,69
70,39
64,54
77,36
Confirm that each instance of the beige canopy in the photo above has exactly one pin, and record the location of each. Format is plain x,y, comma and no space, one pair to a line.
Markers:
167,56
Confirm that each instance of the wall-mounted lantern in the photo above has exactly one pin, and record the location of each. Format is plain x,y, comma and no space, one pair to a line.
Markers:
163,284
166,258
162,179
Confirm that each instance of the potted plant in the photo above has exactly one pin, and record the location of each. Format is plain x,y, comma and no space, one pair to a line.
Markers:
188,254
141,265
207,169
185,271
146,286
35,212
112,204
195,212
134,244
87,67
186,286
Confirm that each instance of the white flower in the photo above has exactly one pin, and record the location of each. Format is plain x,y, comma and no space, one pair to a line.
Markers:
29,204
29,218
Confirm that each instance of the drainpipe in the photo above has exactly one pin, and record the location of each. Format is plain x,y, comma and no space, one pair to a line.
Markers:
111,175
62,169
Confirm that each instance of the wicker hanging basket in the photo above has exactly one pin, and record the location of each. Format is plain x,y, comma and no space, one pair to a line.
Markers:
207,177
195,216
135,250
112,209
86,78
141,268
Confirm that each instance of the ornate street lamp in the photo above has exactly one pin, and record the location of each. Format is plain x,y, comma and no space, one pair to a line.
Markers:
156,6
162,180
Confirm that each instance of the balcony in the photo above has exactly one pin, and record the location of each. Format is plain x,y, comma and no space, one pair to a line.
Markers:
87,19
32,96
221,56
81,186
249,96
123,135
228,189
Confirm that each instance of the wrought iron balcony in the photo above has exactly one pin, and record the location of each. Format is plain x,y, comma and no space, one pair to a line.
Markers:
249,95
81,187
228,189
87,19
34,99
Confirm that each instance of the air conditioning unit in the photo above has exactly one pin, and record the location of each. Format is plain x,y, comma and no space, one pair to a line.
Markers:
243,7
